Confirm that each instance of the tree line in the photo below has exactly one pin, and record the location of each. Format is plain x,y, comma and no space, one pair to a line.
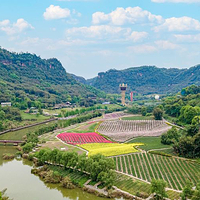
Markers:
97,166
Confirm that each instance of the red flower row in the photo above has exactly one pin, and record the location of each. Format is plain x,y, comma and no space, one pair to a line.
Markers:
82,138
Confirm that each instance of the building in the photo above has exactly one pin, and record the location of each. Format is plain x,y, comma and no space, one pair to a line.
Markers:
4,104
123,88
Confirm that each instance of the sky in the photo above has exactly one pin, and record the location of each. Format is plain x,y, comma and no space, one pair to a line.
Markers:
91,36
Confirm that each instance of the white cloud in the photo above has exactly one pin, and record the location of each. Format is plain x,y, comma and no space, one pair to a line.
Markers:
96,31
18,27
4,22
144,48
138,36
74,12
187,38
77,0
130,15
164,44
156,46
178,24
56,12
106,32
176,1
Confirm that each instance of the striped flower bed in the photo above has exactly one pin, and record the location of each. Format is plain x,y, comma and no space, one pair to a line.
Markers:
82,138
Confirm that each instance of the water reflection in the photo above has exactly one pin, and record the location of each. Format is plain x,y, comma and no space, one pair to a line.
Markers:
16,176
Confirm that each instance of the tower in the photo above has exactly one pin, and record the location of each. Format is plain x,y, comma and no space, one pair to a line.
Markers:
123,92
131,96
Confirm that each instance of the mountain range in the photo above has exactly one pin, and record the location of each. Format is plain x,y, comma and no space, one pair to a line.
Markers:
145,79
27,77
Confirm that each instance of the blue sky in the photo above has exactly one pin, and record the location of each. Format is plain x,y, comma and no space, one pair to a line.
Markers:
90,36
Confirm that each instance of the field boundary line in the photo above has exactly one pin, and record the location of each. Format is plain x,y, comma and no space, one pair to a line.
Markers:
179,170
184,167
169,174
162,173
142,167
130,165
134,166
173,171
145,163
145,154
149,157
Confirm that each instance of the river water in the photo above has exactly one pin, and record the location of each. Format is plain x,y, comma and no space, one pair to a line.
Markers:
16,176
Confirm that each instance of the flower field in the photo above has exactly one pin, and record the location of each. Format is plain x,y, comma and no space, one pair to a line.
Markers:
110,149
82,138
174,171
122,130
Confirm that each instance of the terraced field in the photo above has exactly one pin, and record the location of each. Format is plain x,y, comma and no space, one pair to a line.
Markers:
114,115
139,188
146,166
122,130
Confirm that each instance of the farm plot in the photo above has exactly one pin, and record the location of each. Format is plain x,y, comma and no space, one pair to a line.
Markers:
122,130
110,149
82,138
138,188
146,166
114,115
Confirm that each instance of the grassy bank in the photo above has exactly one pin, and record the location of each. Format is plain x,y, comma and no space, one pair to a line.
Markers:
149,143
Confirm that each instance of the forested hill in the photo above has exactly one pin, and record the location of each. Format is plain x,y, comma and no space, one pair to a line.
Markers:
26,77
147,79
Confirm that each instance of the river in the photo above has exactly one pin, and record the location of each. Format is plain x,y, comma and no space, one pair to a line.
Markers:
16,176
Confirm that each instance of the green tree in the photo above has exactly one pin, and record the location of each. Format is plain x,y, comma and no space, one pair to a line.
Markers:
158,113
187,191
170,137
1,126
40,110
188,113
144,111
2,115
27,147
158,187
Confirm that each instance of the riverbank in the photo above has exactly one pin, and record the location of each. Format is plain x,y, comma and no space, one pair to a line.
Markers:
17,173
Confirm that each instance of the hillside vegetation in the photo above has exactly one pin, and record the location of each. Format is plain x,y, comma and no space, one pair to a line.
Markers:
146,79
27,79
184,110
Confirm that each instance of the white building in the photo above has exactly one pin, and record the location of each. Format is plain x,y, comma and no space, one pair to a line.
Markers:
4,104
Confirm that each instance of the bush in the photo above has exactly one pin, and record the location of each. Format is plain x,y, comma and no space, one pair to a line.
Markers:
67,183
170,137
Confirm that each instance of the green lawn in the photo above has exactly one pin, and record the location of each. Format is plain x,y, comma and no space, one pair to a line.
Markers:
18,135
84,128
138,117
149,143
36,118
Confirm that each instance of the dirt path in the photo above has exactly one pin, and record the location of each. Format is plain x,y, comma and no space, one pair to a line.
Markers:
161,171
136,173
125,165
130,165
145,154
153,163
142,168
146,166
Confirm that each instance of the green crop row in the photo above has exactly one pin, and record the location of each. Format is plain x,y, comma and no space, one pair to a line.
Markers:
146,166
